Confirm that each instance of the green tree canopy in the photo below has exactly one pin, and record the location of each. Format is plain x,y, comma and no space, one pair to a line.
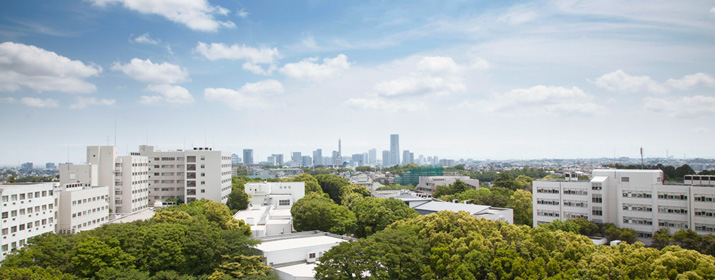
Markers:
316,212
331,185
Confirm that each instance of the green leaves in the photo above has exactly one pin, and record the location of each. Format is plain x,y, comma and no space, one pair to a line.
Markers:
316,212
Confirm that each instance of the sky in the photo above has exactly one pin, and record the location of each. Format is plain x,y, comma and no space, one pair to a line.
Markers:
455,79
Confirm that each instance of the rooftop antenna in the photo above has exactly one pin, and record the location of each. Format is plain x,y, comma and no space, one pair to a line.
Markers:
642,164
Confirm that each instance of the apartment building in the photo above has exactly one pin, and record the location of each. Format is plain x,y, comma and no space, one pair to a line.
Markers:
28,210
636,199
190,175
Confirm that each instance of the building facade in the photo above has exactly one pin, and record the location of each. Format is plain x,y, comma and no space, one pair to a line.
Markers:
82,208
28,210
201,173
126,176
248,156
394,149
635,199
428,184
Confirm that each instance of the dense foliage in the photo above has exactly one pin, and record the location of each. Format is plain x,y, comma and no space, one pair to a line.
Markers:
446,245
516,198
199,239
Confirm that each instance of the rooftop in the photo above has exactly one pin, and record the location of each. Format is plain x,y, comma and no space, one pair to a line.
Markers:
299,240
454,207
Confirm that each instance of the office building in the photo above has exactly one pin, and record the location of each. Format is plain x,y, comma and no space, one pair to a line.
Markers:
385,158
82,208
394,149
307,161
318,157
235,160
372,157
28,210
27,165
406,157
126,176
201,173
50,165
296,158
636,199
248,156
277,159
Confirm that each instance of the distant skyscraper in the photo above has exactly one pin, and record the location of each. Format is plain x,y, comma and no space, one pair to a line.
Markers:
235,160
27,165
412,157
406,157
386,158
318,157
394,149
296,158
248,156
372,156
336,158
278,159
306,161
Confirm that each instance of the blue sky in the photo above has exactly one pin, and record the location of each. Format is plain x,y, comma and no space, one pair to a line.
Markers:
461,79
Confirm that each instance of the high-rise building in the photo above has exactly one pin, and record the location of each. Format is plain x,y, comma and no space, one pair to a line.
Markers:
235,160
201,173
126,176
406,157
318,157
412,157
372,156
386,158
336,160
296,158
277,159
248,156
306,161
27,165
28,210
394,149
50,165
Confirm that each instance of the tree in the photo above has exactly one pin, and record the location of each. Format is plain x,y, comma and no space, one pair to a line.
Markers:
504,180
331,185
239,267
33,273
311,184
316,212
238,199
523,182
687,238
93,254
374,214
361,190
521,202
661,238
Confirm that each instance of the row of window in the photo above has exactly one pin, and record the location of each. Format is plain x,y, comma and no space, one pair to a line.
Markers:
90,199
575,192
704,197
596,186
547,190
704,212
672,196
637,221
637,194
90,211
705,227
546,213
570,215
638,207
672,224
90,223
28,226
547,201
23,196
576,203
24,211
672,210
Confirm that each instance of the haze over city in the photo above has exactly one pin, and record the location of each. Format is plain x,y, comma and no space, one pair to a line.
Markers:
482,80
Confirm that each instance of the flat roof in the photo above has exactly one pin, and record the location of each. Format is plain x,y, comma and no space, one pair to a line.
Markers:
294,242
303,270
138,216
437,206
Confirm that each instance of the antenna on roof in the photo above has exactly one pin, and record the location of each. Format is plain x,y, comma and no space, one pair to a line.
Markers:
642,165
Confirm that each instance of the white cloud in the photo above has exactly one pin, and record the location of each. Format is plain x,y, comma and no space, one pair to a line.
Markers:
84,102
39,102
253,56
690,81
41,70
682,106
169,94
539,100
242,13
438,64
146,39
418,85
250,95
196,14
621,81
151,73
387,105
7,100
479,64
309,68
712,10
517,17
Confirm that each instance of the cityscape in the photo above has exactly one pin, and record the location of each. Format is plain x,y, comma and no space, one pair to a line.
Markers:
220,140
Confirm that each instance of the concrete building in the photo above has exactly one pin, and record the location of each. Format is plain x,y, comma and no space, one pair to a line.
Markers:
235,159
318,157
306,161
296,158
428,184
248,156
406,157
201,173
394,149
385,158
372,157
277,159
269,210
636,199
293,256
126,176
82,208
27,210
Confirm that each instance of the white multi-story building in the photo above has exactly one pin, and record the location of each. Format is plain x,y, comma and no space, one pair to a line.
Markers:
429,184
126,176
201,173
636,199
28,210
82,208
269,209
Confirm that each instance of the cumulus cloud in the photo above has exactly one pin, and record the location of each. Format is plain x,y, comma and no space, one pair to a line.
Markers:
310,68
435,76
254,57
7,100
85,102
242,13
196,14
438,64
146,39
153,73
682,106
539,100
621,81
387,105
249,95
169,94
41,70
690,81
39,102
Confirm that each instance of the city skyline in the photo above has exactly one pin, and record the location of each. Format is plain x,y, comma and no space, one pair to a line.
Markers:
482,80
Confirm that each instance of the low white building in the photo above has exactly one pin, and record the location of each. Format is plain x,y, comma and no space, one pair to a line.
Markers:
428,184
293,256
424,204
635,199
366,181
27,210
269,210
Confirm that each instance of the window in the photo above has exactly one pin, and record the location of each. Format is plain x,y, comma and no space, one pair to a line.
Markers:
4,215
22,196
596,186
596,198
203,191
284,202
13,197
625,179
311,256
4,198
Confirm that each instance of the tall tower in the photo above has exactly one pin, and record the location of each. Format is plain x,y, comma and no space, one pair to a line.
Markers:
339,158
394,149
